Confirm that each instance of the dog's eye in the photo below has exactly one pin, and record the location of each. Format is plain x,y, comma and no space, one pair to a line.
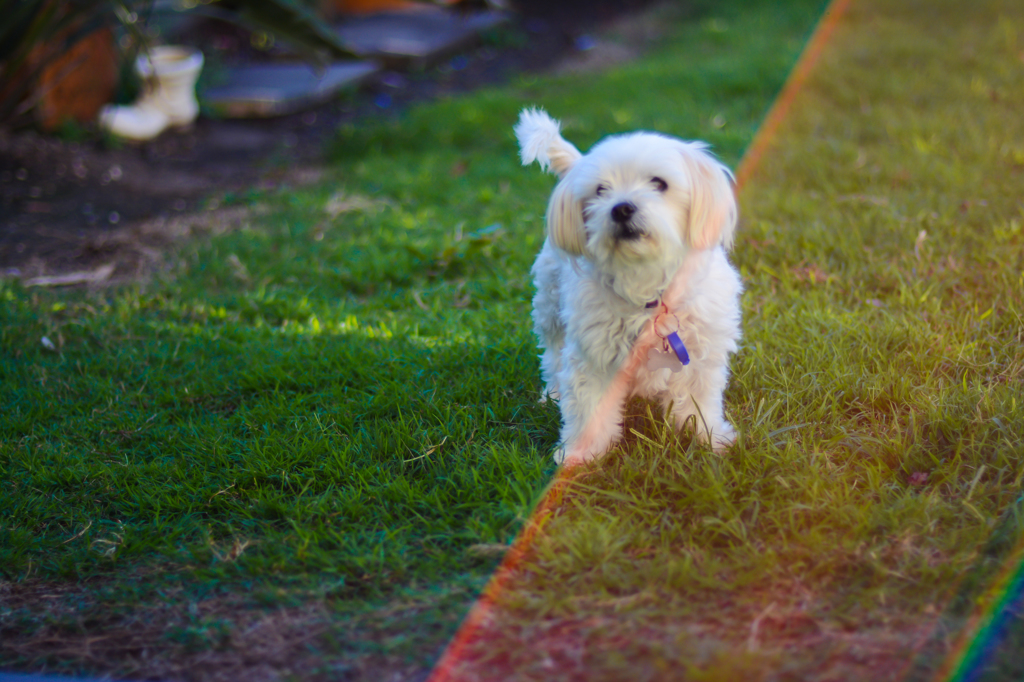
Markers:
659,184
601,189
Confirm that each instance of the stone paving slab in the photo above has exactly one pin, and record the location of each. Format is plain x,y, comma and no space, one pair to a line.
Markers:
407,39
416,38
262,90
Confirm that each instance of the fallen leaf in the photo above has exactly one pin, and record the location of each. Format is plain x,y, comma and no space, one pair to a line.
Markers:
918,478
100,274
238,268
345,203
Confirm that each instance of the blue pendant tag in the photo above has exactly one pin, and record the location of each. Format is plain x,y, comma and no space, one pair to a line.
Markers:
678,347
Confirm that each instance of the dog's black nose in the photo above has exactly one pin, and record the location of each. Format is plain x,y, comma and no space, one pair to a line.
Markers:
621,213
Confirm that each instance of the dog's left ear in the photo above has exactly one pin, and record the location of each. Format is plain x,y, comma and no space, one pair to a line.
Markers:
540,140
713,211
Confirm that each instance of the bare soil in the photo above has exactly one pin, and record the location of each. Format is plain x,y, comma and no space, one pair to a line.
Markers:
793,638
58,628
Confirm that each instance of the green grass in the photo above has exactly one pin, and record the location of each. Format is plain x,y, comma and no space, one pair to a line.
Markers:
333,407
332,411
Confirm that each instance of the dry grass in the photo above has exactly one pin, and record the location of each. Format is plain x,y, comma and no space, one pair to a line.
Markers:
859,528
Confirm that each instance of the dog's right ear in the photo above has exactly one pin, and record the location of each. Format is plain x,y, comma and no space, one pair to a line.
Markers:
540,141
565,220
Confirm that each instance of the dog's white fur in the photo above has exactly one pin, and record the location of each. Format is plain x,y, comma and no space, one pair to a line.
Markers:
595,274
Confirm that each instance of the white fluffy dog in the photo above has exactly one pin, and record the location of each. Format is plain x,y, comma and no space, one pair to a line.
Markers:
635,295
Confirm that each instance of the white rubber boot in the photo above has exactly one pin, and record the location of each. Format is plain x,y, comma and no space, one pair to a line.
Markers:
168,99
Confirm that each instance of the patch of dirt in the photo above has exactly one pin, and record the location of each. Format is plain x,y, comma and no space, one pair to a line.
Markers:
618,43
613,640
70,206
56,628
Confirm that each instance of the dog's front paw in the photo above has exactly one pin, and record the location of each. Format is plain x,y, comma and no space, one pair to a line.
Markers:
723,437
573,456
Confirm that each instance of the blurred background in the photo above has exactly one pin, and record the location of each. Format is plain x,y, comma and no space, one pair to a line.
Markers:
277,78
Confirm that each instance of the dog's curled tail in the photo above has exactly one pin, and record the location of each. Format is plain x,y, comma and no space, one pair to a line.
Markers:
540,140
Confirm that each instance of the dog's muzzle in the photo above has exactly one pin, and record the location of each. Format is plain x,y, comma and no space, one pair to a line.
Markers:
622,215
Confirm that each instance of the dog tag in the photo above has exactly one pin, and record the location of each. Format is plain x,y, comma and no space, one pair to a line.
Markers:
678,348
658,359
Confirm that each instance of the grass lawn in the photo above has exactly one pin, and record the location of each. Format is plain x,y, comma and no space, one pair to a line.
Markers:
872,506
303,447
